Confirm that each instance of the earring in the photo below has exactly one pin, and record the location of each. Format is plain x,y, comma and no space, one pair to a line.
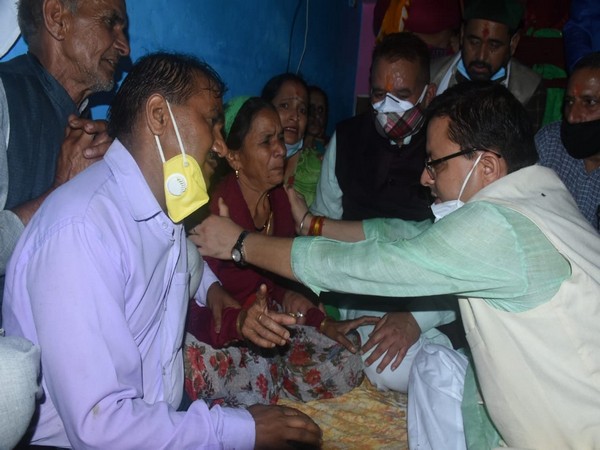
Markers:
237,173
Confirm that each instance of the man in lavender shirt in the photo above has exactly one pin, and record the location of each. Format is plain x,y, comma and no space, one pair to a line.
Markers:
100,281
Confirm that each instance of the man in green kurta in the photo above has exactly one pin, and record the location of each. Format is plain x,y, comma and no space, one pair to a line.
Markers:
518,254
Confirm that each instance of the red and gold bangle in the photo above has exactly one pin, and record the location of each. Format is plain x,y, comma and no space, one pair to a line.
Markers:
319,226
311,226
316,226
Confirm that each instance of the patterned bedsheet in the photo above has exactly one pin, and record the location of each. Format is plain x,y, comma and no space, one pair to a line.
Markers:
364,418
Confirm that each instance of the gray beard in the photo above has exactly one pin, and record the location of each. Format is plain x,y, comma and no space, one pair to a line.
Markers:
100,85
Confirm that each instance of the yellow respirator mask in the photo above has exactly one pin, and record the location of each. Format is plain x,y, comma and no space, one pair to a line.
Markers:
185,188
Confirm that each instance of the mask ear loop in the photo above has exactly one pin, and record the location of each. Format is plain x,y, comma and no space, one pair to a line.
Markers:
177,134
422,94
160,150
468,177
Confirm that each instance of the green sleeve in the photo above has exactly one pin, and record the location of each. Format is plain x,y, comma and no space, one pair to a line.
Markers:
393,229
481,250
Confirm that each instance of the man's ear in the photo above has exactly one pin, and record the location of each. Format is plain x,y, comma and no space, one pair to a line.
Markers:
430,94
156,114
514,41
56,18
494,167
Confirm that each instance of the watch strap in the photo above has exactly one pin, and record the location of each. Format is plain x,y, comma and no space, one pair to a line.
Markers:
239,246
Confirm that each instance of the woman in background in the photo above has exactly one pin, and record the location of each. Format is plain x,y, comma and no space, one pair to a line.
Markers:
288,93
308,170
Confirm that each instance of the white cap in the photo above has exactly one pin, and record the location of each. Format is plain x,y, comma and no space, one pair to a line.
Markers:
9,26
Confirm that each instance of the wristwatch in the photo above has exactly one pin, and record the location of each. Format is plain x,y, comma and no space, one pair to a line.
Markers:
237,252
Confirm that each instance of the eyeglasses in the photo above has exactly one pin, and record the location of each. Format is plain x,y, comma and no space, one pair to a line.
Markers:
430,165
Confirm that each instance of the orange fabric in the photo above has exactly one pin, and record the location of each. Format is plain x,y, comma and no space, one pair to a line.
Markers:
393,21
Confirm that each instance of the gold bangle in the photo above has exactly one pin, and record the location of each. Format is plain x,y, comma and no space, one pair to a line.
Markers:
238,323
323,322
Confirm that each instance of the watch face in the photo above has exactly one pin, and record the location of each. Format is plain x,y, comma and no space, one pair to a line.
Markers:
236,255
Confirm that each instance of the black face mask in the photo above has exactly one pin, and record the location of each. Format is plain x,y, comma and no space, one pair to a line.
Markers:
581,140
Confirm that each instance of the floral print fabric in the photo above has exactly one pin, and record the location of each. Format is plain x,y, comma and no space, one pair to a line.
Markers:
310,367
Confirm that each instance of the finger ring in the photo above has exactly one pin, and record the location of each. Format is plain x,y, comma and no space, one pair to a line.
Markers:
296,315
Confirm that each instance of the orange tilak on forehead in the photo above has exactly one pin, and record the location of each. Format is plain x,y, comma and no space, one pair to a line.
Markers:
584,82
486,32
390,81
575,88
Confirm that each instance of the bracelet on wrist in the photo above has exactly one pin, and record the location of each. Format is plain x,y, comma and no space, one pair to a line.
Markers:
316,226
319,226
238,323
323,323
302,221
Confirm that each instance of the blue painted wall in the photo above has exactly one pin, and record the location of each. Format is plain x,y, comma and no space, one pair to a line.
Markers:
248,41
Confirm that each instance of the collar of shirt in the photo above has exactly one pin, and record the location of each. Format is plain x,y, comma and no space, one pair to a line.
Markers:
141,201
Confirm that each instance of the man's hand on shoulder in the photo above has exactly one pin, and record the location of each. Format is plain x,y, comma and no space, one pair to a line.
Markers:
86,141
